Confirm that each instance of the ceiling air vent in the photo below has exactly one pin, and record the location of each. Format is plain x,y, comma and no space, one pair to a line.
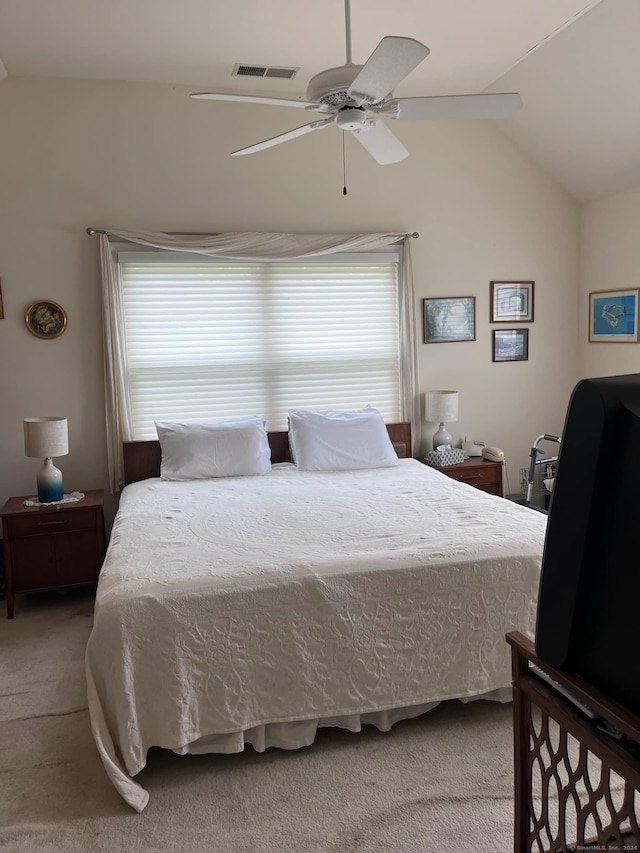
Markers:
241,69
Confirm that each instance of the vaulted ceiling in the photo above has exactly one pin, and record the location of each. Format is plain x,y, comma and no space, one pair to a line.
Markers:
574,62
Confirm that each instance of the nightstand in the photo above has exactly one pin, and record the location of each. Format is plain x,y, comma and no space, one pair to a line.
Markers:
53,545
484,475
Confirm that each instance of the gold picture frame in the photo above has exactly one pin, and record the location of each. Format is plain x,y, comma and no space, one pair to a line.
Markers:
46,319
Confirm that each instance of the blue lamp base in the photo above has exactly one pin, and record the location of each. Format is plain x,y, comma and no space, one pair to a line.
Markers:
49,482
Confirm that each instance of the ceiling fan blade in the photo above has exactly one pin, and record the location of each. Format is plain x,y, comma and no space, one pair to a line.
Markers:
383,145
390,62
454,107
284,137
254,99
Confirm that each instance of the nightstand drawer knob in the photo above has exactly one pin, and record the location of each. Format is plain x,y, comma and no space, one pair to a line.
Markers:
471,477
51,523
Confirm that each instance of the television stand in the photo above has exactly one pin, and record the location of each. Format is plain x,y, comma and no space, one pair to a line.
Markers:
577,761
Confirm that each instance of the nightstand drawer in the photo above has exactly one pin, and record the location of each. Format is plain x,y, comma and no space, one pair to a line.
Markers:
477,476
51,522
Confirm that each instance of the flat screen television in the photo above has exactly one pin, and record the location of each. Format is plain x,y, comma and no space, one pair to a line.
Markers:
588,617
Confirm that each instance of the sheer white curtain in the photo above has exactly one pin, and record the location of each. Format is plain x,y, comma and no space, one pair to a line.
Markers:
240,246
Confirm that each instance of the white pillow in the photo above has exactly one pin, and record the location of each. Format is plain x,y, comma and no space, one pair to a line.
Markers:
197,451
340,440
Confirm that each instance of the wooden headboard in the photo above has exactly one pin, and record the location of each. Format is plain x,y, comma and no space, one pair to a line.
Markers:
142,458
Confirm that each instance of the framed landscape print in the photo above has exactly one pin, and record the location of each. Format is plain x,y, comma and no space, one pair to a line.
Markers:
450,318
510,345
613,316
511,301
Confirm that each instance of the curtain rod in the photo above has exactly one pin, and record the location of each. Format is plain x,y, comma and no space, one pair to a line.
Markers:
92,231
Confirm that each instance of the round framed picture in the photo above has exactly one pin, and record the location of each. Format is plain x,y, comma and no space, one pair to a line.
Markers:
46,319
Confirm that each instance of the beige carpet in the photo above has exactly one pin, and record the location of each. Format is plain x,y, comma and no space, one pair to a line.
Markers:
436,784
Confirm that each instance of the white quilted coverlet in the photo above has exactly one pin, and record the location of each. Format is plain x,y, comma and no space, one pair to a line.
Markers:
224,605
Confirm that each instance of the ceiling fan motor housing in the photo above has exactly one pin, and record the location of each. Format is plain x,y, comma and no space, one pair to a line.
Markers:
330,87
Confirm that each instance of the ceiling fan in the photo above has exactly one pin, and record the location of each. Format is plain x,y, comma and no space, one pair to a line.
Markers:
356,97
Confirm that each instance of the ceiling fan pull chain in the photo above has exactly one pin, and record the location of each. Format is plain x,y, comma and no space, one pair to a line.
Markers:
344,168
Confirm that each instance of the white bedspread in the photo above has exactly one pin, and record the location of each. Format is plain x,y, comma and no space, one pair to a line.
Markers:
225,605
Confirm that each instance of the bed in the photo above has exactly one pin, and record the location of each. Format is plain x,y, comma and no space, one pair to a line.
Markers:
253,610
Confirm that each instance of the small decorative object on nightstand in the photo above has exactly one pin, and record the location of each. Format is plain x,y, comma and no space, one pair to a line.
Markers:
52,546
445,456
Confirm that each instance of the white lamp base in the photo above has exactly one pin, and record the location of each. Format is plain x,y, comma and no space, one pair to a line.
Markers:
49,481
442,437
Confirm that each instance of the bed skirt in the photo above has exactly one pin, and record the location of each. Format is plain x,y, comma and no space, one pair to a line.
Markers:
300,733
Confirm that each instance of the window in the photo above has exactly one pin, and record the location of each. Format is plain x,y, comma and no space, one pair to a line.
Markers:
211,338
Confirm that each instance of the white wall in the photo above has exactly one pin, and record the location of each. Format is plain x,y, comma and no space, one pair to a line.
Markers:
78,154
610,261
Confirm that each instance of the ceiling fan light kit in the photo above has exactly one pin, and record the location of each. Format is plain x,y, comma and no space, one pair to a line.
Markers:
355,97
351,119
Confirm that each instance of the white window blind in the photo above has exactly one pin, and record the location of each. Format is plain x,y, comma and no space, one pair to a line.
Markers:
212,339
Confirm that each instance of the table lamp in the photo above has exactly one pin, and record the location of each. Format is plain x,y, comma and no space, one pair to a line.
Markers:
45,438
442,406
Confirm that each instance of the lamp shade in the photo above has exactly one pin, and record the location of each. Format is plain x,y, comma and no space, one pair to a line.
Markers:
441,406
46,437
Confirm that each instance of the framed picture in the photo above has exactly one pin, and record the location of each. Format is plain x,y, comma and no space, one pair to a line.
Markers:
613,316
511,302
46,319
510,344
450,318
